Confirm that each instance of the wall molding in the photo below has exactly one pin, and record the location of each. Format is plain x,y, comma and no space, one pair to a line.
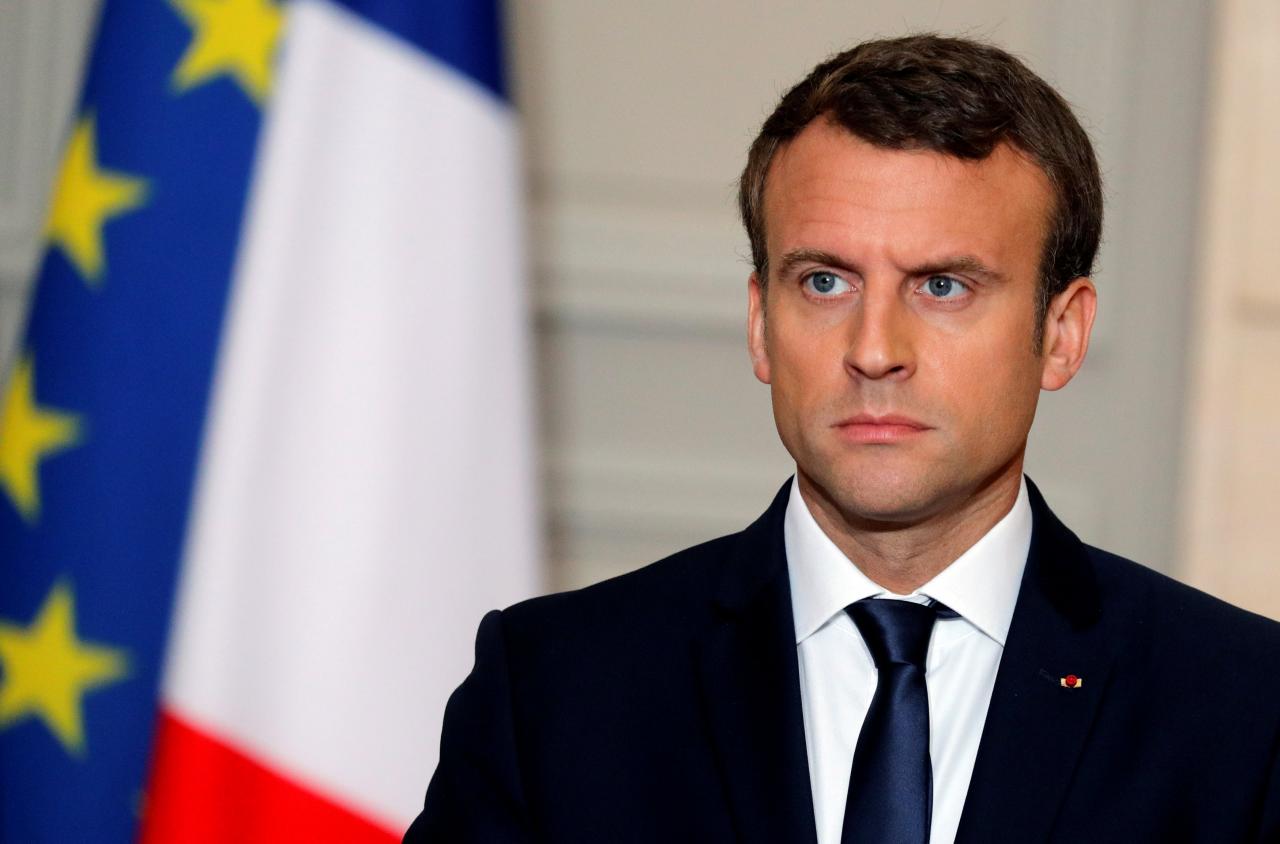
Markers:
617,490
620,264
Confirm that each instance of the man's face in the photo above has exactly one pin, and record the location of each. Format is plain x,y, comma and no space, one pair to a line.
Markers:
897,332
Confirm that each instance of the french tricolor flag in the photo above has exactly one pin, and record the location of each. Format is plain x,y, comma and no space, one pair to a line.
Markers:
297,464
366,481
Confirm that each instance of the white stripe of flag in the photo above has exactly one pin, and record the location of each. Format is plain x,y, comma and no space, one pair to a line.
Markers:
366,489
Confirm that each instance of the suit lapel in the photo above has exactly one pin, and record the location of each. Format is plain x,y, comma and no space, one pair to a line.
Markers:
1036,727
751,689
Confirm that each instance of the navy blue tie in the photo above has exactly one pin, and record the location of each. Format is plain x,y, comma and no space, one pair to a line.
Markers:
891,783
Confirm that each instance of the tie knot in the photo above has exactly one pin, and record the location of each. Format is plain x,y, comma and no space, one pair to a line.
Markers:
895,631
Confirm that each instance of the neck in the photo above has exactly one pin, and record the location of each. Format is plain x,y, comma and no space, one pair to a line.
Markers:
902,556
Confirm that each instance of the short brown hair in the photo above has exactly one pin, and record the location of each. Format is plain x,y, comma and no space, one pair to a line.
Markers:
950,95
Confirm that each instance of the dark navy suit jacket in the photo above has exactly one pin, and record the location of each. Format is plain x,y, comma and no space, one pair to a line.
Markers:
664,706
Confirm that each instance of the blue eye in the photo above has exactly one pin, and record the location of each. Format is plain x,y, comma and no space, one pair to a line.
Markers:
944,287
824,283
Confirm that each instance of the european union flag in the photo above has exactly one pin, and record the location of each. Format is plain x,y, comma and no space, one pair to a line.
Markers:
100,421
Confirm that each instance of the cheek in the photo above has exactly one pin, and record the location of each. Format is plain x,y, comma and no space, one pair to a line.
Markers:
806,379
806,367
989,377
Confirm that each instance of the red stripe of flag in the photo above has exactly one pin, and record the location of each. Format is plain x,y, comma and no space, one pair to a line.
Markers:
203,790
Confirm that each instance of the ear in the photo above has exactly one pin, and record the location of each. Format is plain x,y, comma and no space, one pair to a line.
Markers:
1067,327
756,346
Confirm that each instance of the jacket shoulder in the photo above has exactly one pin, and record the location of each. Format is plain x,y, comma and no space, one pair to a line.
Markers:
666,594
1183,622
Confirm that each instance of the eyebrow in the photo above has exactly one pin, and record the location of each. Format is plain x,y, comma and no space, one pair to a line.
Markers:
967,264
799,257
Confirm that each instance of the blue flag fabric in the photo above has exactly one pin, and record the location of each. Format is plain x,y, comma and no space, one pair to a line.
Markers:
101,418
103,414
466,36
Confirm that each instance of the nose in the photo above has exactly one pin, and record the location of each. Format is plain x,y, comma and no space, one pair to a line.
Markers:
880,345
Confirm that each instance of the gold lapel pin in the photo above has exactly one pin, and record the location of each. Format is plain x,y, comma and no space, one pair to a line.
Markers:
1071,681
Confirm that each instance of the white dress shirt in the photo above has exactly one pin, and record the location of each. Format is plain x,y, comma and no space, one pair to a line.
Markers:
838,676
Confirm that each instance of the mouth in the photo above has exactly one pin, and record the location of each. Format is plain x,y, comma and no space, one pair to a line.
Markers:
892,428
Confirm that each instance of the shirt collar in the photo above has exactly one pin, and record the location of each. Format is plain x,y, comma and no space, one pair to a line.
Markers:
981,585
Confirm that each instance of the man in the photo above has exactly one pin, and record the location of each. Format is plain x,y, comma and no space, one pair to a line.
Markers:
907,646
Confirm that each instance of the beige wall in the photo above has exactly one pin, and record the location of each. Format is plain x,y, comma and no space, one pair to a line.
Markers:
41,52
637,118
1232,498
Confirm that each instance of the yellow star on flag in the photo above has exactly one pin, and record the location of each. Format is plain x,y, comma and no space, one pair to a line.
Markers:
84,199
28,434
235,38
48,670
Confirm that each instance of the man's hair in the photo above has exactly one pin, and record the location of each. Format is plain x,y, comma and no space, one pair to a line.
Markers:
949,95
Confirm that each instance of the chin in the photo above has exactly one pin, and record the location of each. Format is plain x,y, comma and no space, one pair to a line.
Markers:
886,505
879,493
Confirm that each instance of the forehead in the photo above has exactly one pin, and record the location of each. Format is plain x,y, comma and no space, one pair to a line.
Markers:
828,189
